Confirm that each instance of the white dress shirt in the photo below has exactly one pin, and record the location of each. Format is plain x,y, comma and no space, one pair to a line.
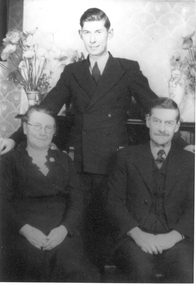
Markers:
101,62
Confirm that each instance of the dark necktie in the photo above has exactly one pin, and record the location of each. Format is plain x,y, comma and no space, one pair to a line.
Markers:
96,72
160,158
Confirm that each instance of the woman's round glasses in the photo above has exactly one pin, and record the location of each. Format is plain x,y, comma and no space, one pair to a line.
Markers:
37,127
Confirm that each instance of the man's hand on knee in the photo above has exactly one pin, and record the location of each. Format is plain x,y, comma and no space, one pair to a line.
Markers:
6,145
167,241
144,240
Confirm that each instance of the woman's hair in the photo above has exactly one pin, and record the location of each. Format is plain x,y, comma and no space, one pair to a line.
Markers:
94,14
37,108
165,103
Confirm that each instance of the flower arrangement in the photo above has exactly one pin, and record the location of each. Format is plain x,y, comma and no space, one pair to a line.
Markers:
26,61
185,68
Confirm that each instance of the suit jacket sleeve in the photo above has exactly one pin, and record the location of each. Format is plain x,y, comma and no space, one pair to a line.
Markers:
185,224
140,88
72,218
60,94
117,210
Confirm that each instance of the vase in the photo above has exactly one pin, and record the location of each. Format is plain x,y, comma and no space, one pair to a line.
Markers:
40,97
32,97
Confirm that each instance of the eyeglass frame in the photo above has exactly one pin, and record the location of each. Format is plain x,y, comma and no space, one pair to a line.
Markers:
45,128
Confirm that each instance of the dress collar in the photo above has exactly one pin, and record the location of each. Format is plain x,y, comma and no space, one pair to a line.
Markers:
22,147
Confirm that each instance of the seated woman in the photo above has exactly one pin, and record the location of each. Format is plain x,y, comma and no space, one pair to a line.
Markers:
41,208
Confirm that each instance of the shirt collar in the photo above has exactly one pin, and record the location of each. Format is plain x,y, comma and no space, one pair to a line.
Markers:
101,62
155,149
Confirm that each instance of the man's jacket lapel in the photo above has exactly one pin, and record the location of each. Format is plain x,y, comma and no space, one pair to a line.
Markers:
111,75
84,79
173,171
143,163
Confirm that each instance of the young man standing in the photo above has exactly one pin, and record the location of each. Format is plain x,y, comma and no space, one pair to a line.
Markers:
150,203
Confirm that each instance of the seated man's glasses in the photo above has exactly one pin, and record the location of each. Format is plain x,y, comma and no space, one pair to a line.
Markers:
37,127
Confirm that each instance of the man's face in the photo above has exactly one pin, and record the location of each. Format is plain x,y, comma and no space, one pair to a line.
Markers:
162,125
39,139
95,37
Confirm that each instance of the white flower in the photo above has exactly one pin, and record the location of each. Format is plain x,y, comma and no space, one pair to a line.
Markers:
21,64
10,48
23,70
7,51
41,52
29,41
12,37
32,32
29,63
29,54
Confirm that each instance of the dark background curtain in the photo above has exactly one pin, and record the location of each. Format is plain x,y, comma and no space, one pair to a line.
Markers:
3,19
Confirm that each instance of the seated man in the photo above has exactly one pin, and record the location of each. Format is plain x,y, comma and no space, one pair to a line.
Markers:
150,202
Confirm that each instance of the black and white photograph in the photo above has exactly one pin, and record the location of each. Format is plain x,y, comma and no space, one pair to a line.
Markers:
97,141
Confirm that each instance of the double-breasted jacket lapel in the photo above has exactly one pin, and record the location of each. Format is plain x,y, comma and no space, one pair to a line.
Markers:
111,75
84,79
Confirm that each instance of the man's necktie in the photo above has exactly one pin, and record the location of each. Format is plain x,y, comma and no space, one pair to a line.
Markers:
160,158
96,72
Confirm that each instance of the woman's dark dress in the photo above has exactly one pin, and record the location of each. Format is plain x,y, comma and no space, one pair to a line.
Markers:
44,202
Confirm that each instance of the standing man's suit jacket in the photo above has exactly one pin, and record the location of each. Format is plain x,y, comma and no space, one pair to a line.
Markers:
100,111
131,185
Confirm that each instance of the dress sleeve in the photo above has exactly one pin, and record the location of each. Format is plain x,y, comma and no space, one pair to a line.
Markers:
9,216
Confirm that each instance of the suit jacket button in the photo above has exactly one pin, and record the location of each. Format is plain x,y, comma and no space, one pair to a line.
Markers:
109,115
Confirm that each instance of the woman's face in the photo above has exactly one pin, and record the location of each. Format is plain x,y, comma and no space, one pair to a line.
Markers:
39,130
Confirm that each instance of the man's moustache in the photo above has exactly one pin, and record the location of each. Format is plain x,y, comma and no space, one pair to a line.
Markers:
162,135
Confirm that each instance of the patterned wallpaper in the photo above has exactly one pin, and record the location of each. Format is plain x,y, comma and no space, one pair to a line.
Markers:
10,94
147,31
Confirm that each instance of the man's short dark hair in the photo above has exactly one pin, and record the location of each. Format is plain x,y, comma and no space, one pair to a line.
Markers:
165,103
94,14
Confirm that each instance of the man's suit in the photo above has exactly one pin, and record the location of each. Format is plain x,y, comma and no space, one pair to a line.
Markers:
131,193
100,110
